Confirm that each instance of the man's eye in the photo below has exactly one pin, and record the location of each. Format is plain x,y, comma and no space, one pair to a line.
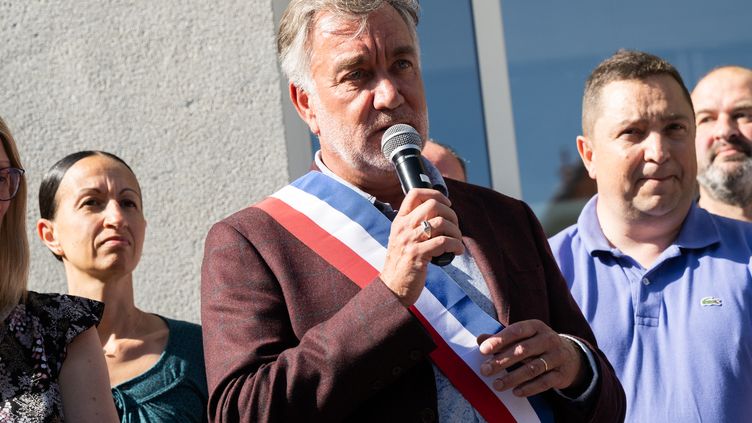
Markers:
676,130
744,116
704,119
403,64
676,127
355,75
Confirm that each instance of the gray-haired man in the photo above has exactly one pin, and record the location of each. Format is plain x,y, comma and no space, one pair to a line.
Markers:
317,307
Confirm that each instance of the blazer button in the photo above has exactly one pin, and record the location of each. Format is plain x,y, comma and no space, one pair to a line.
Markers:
415,355
427,415
396,371
378,385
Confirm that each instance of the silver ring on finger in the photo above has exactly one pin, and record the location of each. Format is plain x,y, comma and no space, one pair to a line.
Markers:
545,364
427,229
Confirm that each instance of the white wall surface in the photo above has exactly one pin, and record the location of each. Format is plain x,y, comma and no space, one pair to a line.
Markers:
187,92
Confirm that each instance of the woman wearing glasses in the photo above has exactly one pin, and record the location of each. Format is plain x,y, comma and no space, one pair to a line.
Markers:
50,360
92,220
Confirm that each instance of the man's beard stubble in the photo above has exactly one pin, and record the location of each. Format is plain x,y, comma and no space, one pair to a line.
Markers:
733,187
370,155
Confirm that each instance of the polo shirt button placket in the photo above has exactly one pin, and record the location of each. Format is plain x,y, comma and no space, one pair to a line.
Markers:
645,281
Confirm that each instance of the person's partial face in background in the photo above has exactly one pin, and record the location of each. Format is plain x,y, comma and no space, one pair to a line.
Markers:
448,164
4,162
640,149
99,227
364,82
723,110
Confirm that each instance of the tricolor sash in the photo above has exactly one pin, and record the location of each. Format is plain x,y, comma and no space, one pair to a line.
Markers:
347,231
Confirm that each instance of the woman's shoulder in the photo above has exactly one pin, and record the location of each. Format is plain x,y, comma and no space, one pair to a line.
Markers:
68,313
185,339
70,303
40,328
183,328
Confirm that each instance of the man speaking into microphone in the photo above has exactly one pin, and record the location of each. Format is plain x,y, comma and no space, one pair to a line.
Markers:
320,303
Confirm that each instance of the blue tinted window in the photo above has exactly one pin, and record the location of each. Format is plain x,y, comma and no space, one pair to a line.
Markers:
450,74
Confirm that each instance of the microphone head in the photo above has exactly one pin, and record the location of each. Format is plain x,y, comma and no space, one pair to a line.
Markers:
400,137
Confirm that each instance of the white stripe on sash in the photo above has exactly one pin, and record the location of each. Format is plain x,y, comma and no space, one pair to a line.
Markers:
336,223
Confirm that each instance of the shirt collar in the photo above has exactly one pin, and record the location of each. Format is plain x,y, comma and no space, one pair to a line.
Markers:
698,230
590,230
433,174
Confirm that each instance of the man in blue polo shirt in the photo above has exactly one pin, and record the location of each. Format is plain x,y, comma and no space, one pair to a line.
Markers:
665,285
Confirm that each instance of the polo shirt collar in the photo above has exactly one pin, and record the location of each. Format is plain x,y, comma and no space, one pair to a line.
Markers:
698,230
589,228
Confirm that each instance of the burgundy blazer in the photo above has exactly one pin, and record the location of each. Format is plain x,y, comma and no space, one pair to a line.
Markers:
289,338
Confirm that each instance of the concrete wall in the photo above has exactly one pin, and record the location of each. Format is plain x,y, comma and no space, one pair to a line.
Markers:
187,92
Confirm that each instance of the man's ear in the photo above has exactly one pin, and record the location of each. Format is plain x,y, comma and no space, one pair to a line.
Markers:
46,232
302,102
585,148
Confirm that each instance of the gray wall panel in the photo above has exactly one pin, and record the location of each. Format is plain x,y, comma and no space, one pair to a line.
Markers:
187,92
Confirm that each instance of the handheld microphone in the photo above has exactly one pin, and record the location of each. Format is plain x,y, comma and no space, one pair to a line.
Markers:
401,144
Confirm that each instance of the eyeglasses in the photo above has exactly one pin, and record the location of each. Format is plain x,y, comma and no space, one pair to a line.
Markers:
10,179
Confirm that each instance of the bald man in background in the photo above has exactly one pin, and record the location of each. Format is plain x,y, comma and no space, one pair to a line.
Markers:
723,112
446,160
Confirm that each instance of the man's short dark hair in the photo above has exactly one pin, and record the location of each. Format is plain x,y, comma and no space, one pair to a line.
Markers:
623,65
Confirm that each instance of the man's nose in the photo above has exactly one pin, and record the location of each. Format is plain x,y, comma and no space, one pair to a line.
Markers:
657,148
725,128
387,95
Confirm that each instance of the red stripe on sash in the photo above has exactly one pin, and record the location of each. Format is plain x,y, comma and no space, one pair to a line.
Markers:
320,241
341,257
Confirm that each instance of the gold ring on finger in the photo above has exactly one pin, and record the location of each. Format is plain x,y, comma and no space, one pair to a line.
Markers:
545,364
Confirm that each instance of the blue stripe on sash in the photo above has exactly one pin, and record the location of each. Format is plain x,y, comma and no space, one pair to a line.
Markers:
459,304
353,205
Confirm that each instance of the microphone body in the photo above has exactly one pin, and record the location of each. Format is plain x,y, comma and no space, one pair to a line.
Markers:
401,145
410,170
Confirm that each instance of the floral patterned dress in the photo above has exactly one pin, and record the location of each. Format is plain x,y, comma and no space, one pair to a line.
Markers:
33,344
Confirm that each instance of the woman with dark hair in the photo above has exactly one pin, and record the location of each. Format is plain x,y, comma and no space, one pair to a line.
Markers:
50,362
92,220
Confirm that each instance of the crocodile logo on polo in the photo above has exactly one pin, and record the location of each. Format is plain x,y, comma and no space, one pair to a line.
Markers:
711,301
